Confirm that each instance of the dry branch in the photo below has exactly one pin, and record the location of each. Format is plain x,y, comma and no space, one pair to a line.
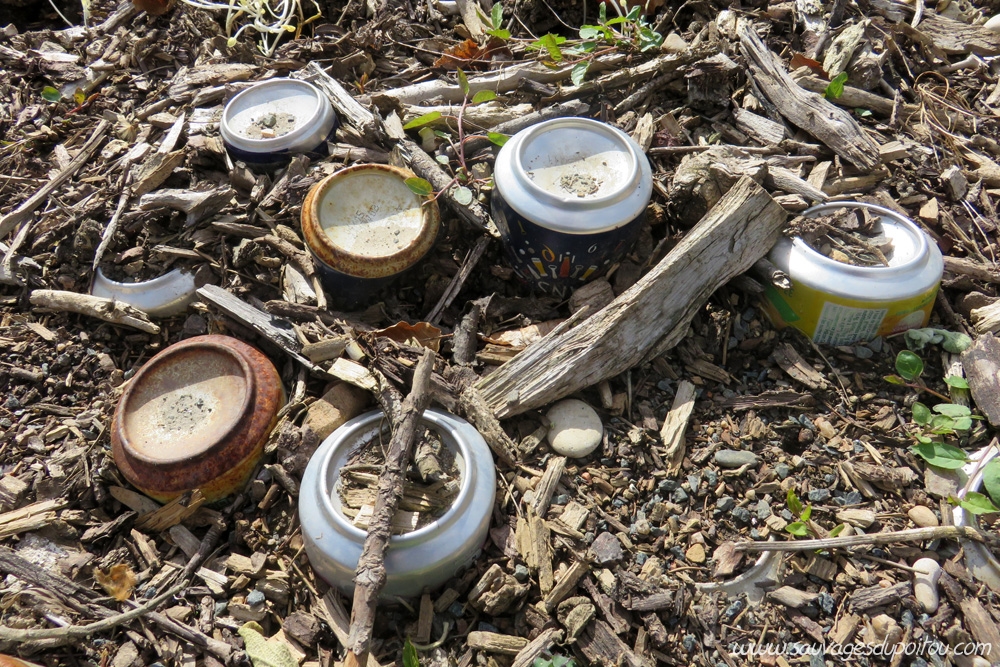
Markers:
828,123
371,575
108,310
737,232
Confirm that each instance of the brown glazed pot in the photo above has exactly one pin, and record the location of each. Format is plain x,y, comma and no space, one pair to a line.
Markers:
196,416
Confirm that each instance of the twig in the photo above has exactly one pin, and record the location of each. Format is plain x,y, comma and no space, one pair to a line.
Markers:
455,286
24,211
371,575
108,310
908,535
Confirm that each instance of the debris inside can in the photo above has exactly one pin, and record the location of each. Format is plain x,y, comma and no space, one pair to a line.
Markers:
271,125
849,236
432,483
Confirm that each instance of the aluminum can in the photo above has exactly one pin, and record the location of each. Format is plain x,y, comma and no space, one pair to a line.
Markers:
422,559
196,416
839,304
365,227
569,199
267,123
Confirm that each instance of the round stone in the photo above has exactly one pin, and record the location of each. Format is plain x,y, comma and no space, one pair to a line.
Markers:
576,429
925,584
923,516
993,24
729,458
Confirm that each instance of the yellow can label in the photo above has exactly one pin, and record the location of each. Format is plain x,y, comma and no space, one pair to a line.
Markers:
837,320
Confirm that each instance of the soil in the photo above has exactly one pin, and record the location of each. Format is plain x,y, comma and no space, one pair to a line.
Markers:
271,126
849,236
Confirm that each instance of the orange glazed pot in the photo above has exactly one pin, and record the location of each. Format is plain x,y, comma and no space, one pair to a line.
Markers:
196,416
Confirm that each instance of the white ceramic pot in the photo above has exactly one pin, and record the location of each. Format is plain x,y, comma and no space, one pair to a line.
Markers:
268,122
422,559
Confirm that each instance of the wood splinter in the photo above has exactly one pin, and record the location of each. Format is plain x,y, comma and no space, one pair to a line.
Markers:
371,574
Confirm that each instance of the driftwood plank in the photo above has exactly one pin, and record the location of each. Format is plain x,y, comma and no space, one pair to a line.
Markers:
809,111
982,367
954,37
738,231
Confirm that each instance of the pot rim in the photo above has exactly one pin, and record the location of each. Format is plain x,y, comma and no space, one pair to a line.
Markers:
431,419
272,144
157,362
360,266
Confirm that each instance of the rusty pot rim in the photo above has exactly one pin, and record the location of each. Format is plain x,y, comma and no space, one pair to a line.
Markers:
360,266
209,342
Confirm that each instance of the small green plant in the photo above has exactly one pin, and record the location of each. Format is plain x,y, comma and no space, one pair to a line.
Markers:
554,661
410,657
835,88
462,179
496,18
805,526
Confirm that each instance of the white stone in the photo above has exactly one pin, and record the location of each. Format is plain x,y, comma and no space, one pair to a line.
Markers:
993,24
575,429
923,516
925,584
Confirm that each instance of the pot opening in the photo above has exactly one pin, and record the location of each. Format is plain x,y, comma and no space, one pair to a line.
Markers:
431,484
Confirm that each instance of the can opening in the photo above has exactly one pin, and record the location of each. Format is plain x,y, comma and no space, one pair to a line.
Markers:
370,213
272,110
577,163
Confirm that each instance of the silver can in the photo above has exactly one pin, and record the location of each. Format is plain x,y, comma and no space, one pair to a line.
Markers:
569,198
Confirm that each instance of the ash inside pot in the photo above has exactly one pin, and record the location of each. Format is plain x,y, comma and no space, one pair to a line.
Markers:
849,235
432,483
270,125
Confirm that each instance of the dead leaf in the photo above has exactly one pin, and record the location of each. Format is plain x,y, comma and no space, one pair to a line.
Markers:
118,583
470,55
263,653
799,60
420,334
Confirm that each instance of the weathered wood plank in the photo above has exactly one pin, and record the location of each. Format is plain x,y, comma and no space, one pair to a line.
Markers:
651,316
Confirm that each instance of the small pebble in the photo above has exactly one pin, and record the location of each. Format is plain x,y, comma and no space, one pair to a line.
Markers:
640,558
923,516
763,509
679,497
782,470
666,486
690,643
521,572
742,516
576,429
993,24
728,458
725,503
220,608
695,554
733,610
818,495
925,584
255,598
862,352
12,403
825,602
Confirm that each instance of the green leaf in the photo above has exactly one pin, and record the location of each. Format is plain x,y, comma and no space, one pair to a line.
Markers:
591,32
602,13
549,43
921,414
443,159
838,529
497,138
497,16
633,14
942,424
420,121
798,529
957,382
940,455
952,410
991,479
79,97
956,343
835,88
410,657
794,504
499,33
923,439
263,653
579,71
863,113
962,424
50,94
807,512
462,195
977,503
894,379
909,365
483,96
419,186
463,81
649,39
